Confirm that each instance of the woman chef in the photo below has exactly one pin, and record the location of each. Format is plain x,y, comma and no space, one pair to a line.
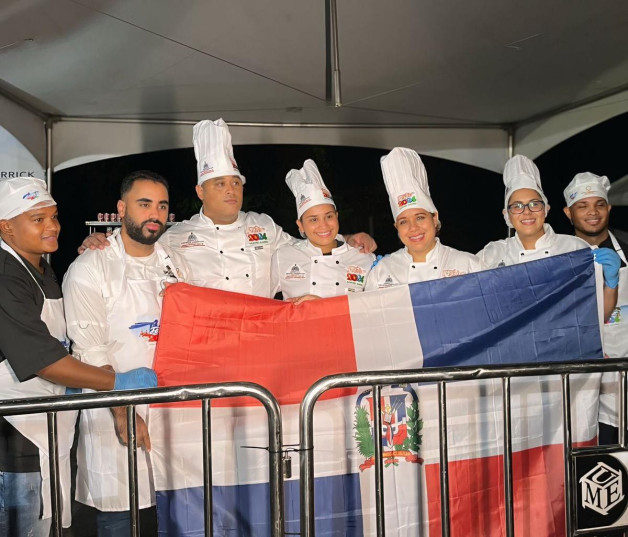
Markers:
423,257
322,265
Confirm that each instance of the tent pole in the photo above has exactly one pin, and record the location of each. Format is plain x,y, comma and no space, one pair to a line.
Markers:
48,126
333,52
511,141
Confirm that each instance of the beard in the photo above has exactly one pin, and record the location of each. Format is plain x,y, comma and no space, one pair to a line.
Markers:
139,234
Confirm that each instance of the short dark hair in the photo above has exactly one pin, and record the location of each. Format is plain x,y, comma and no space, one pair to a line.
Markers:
141,175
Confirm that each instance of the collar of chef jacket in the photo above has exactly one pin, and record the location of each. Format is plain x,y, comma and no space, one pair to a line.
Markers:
545,241
314,250
431,256
206,220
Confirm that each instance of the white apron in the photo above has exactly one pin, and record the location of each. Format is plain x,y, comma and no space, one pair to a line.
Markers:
615,343
35,426
133,314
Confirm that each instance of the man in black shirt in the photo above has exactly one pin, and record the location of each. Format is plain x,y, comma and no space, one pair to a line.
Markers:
34,357
588,210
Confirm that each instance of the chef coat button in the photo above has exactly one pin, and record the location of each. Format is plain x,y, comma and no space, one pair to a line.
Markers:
413,266
217,228
313,283
242,249
337,262
316,261
546,252
337,283
521,253
247,275
226,278
221,251
435,268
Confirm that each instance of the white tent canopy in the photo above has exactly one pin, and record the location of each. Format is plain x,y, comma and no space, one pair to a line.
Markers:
118,77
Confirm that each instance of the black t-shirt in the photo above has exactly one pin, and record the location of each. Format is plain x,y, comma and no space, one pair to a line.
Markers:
26,343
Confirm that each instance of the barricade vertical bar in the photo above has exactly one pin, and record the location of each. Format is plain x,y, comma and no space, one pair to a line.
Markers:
508,495
207,467
622,409
306,469
444,460
53,461
132,454
379,463
567,447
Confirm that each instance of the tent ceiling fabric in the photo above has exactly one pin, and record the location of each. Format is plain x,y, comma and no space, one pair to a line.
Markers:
402,62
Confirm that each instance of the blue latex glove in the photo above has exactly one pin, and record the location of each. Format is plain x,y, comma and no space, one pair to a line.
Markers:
73,391
142,377
610,262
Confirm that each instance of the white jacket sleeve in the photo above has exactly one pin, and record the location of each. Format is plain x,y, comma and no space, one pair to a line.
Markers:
85,314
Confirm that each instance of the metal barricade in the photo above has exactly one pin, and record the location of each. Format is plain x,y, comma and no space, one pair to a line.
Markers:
442,376
205,392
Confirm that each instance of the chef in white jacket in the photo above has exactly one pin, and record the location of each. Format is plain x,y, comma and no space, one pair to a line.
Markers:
226,248
525,209
587,207
423,257
322,265
113,307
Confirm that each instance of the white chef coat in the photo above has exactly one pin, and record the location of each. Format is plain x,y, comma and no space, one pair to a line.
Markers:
300,268
35,426
233,257
511,251
440,262
615,343
113,310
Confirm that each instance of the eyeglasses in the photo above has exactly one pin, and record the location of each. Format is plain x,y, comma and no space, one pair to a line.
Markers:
535,206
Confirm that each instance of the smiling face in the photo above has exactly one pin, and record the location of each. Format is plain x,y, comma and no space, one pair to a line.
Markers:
417,230
320,225
222,198
590,217
528,224
33,233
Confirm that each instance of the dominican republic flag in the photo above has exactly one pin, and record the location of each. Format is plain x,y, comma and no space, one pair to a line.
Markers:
541,311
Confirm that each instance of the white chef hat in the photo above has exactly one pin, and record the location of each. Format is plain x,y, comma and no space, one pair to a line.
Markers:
520,172
586,185
21,194
405,178
308,187
213,151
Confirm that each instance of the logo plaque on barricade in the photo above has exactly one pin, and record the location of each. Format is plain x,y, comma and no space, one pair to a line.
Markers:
601,482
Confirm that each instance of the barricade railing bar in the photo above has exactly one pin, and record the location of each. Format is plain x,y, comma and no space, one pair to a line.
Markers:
204,392
441,377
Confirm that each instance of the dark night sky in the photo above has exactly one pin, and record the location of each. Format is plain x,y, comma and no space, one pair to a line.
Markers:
469,199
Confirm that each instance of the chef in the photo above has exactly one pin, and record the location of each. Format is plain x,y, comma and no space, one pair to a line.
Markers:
225,247
525,209
586,197
423,256
113,307
35,360
322,265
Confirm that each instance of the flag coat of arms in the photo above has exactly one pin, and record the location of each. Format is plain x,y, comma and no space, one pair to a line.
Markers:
541,311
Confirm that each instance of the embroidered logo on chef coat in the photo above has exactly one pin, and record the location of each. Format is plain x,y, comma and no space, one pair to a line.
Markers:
356,275
295,273
388,282
192,241
146,330
31,195
256,236
453,272
206,169
405,199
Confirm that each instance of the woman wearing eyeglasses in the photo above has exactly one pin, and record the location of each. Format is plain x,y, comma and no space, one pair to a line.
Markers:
525,209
